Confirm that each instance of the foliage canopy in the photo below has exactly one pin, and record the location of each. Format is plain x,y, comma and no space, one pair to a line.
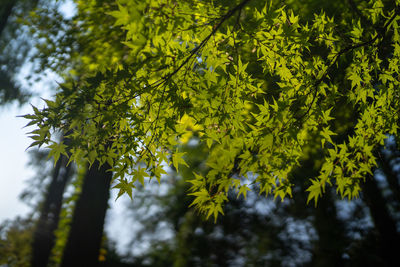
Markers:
260,85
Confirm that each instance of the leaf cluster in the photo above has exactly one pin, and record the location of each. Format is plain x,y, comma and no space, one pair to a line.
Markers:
252,80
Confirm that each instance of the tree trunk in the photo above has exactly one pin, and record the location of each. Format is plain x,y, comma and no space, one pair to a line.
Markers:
43,237
84,240
5,12
331,240
388,238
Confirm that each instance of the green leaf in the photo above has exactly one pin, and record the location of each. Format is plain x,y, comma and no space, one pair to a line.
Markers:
124,188
177,159
243,191
139,174
315,191
56,149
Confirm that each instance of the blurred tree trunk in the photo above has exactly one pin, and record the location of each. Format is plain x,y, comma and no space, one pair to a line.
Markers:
385,225
6,9
84,240
331,234
5,12
43,237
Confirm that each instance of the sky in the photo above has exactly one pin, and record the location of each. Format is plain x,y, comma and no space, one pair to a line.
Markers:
13,161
